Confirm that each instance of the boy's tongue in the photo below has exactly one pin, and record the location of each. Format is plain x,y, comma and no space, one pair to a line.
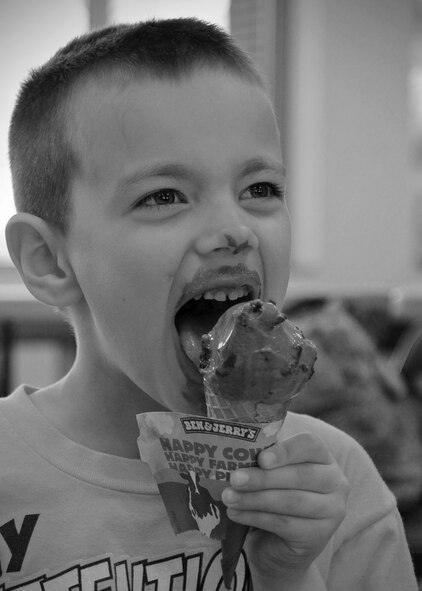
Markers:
191,328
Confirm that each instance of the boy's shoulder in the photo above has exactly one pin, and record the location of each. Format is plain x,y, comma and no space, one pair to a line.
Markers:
346,450
370,501
15,418
349,454
15,404
298,423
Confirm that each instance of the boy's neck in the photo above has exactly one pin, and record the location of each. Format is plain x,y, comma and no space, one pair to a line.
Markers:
92,414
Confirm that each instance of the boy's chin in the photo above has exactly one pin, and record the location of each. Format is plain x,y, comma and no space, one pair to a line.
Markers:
177,383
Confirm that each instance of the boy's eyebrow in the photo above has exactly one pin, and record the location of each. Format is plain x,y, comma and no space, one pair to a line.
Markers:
180,171
171,169
263,165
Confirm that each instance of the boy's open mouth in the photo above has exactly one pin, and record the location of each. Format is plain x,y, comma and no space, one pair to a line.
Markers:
198,316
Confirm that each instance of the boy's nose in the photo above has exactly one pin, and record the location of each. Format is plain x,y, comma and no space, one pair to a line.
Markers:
233,239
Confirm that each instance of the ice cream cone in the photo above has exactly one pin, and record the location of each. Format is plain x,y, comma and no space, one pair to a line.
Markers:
253,362
247,411
244,411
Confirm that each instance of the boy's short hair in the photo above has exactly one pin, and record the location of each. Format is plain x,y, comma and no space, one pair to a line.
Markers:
42,158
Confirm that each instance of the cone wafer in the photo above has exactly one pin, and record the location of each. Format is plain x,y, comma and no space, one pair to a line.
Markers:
254,361
247,411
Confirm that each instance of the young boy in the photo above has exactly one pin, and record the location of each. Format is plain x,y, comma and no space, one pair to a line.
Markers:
147,172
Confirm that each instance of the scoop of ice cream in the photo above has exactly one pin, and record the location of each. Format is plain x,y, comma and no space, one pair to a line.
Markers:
255,353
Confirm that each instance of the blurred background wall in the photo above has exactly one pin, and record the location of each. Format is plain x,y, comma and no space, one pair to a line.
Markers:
355,144
342,86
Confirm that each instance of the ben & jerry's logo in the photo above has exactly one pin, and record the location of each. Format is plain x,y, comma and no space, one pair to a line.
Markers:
212,426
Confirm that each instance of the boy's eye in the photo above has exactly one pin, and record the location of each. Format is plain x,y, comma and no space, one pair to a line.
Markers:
160,198
263,190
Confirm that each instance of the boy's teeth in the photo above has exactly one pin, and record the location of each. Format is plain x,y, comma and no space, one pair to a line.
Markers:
221,295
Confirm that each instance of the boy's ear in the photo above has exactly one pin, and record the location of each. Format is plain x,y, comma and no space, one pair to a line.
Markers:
39,255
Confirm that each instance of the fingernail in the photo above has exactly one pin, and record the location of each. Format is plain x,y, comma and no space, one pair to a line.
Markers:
229,496
267,459
239,478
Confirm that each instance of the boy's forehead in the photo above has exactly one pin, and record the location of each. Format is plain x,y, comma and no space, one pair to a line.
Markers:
112,88
117,111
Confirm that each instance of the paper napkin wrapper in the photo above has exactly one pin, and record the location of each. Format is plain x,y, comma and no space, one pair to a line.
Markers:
191,459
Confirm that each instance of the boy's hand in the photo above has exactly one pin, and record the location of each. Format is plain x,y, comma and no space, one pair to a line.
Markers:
296,500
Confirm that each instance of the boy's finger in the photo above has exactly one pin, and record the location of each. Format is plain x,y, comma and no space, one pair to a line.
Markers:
303,447
297,503
321,478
